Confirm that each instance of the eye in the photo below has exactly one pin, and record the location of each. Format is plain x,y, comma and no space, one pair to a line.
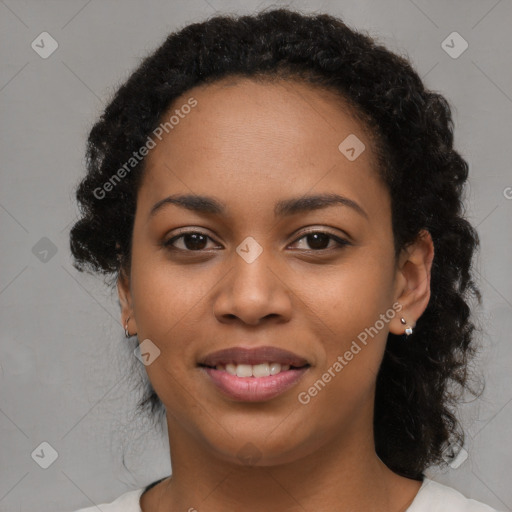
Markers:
193,241
319,240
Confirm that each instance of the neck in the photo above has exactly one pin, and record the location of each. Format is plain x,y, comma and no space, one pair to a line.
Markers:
341,474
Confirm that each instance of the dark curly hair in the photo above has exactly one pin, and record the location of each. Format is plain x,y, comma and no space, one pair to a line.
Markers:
419,382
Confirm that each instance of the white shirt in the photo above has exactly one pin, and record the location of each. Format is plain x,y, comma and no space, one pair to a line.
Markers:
431,497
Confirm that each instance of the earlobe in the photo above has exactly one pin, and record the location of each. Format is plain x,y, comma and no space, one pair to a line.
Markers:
413,285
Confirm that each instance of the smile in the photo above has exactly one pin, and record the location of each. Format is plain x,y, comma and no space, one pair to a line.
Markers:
254,383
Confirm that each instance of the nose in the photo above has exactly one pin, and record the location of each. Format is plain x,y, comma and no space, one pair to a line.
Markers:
253,293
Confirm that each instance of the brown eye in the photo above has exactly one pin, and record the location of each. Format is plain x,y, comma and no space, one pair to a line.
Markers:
319,241
191,241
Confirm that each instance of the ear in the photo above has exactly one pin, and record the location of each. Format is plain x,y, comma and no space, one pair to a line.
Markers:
413,281
126,302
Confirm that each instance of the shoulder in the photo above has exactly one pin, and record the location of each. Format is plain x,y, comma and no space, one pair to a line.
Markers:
436,497
127,502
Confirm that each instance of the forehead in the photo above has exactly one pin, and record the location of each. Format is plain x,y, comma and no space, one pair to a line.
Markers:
252,141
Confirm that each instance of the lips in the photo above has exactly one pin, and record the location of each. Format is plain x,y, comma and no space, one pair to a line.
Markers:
253,356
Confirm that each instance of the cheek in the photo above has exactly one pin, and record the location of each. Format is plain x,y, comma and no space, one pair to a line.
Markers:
165,296
351,296
354,305
166,306
353,339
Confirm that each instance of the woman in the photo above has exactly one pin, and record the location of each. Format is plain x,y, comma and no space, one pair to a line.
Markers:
278,200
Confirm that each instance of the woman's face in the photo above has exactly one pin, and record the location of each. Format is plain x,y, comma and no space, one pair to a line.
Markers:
254,278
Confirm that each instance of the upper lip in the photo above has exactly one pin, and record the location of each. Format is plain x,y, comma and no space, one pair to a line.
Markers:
257,355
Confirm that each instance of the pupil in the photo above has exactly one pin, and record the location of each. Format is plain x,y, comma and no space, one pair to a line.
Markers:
197,243
317,240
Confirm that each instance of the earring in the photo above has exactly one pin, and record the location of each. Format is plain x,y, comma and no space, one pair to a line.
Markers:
408,329
126,333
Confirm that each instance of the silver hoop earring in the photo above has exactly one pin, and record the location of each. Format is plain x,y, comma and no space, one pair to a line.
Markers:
408,329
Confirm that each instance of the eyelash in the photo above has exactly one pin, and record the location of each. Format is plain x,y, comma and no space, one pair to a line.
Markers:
340,241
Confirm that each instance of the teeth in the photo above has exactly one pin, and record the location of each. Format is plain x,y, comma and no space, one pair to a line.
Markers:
254,370
244,370
261,370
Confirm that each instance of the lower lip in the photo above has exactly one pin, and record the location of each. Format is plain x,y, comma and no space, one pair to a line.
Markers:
254,389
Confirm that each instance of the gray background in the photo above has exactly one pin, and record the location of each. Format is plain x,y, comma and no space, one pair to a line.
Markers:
62,359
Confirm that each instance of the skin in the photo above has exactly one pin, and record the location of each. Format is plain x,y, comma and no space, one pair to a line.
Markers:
250,145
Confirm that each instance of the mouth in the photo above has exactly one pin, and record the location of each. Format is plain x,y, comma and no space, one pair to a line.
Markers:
254,362
255,374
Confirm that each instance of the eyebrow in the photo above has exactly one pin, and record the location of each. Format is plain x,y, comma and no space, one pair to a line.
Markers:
283,208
